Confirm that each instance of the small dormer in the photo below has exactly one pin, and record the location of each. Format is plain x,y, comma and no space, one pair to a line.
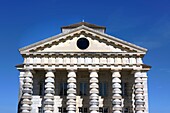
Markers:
65,29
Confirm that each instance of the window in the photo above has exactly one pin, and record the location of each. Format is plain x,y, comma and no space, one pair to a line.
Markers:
125,110
82,43
82,110
41,90
124,89
103,89
63,89
83,89
103,110
62,110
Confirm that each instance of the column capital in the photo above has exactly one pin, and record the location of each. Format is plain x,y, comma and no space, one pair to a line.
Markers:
21,75
28,69
93,69
116,69
49,69
31,70
71,69
136,71
140,74
116,74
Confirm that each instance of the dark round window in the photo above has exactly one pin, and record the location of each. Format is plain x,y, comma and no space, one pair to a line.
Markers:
82,43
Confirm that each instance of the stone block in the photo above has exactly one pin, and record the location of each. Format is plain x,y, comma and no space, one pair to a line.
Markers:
27,79
73,80
114,91
29,91
117,102
116,85
94,80
116,74
139,96
117,108
94,85
94,90
49,85
94,74
50,91
94,108
49,79
116,96
71,90
48,102
71,85
137,91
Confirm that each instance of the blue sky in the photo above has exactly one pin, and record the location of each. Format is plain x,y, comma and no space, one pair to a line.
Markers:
142,22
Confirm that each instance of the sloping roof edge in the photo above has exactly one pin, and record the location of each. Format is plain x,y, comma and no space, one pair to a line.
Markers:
85,24
86,28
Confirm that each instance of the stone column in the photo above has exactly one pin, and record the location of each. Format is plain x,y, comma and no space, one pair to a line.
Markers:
116,98
71,91
94,92
145,83
139,93
27,92
21,81
49,92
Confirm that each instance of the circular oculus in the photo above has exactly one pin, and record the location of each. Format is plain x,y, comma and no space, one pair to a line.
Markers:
82,43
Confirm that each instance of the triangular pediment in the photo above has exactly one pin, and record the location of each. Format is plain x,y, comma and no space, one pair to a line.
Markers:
67,42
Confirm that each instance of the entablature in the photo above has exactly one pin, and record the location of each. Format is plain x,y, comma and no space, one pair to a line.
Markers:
83,59
113,54
132,68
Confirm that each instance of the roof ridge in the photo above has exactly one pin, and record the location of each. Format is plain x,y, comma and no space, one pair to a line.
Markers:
85,24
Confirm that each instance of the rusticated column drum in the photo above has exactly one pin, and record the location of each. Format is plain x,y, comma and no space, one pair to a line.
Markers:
71,92
27,93
49,92
94,92
116,98
139,93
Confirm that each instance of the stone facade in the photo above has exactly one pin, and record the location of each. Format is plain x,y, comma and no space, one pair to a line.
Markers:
83,70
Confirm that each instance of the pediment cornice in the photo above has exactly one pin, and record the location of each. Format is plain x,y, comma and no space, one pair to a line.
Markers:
78,54
77,32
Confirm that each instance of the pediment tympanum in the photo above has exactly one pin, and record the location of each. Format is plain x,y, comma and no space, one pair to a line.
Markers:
72,45
68,42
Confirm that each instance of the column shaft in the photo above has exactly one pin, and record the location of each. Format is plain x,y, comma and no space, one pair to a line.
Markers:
116,98
139,93
21,81
49,92
27,93
71,92
94,92
145,80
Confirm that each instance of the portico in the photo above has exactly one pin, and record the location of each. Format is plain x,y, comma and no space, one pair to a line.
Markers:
83,70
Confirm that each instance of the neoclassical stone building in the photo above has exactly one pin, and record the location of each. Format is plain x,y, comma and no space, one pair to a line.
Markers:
83,70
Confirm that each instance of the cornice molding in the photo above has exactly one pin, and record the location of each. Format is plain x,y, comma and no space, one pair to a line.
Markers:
92,54
78,31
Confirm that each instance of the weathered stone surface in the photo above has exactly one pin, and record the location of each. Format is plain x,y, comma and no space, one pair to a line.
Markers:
49,92
116,98
107,61
94,98
71,80
71,92
94,80
139,93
